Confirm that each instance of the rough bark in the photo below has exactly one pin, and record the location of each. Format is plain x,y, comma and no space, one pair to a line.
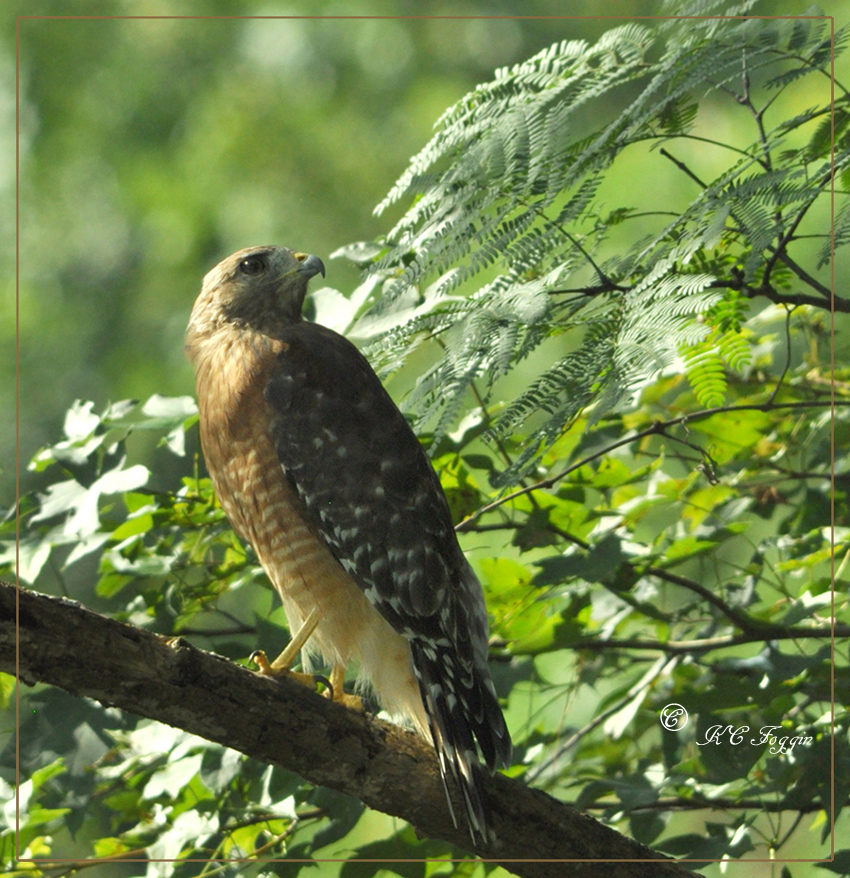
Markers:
64,644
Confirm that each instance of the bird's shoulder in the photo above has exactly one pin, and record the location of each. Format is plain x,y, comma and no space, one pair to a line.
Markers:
320,380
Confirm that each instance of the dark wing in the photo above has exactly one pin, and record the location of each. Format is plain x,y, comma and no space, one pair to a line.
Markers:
371,492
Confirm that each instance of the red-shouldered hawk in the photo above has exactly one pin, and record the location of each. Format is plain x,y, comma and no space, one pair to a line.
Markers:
318,470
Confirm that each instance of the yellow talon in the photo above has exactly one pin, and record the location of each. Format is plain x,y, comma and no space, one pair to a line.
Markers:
338,694
259,658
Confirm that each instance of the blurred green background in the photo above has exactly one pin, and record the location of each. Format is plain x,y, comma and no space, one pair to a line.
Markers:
150,148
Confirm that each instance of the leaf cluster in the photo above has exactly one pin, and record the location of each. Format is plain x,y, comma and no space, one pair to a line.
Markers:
508,252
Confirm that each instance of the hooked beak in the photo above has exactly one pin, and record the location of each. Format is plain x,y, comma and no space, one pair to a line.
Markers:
310,265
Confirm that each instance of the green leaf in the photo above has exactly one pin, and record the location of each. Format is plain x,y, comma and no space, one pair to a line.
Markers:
596,565
688,547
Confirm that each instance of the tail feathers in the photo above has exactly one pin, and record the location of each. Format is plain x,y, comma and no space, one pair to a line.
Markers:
465,718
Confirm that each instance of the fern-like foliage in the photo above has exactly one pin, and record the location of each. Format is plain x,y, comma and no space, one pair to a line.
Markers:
509,250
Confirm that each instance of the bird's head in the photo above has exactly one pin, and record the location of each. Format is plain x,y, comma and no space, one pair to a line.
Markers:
260,288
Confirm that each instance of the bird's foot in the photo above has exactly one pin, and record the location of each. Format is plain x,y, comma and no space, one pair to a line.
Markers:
273,669
336,693
352,702
332,688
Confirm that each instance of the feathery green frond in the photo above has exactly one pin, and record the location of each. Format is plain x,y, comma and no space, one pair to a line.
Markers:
704,368
508,251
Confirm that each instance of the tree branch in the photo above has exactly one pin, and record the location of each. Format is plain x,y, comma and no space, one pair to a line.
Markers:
838,303
763,635
64,644
671,803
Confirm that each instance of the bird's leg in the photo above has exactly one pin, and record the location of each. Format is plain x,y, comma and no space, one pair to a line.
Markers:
283,663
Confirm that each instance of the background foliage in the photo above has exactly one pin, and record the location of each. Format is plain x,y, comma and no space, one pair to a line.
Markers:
603,276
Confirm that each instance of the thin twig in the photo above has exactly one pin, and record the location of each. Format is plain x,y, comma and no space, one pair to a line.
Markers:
742,620
683,168
605,280
787,365
779,251
671,803
658,428
708,644
794,825
639,686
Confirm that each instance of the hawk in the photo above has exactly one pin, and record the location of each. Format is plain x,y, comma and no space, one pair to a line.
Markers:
318,470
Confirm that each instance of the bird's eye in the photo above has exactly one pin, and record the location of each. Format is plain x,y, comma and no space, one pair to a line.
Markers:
252,265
